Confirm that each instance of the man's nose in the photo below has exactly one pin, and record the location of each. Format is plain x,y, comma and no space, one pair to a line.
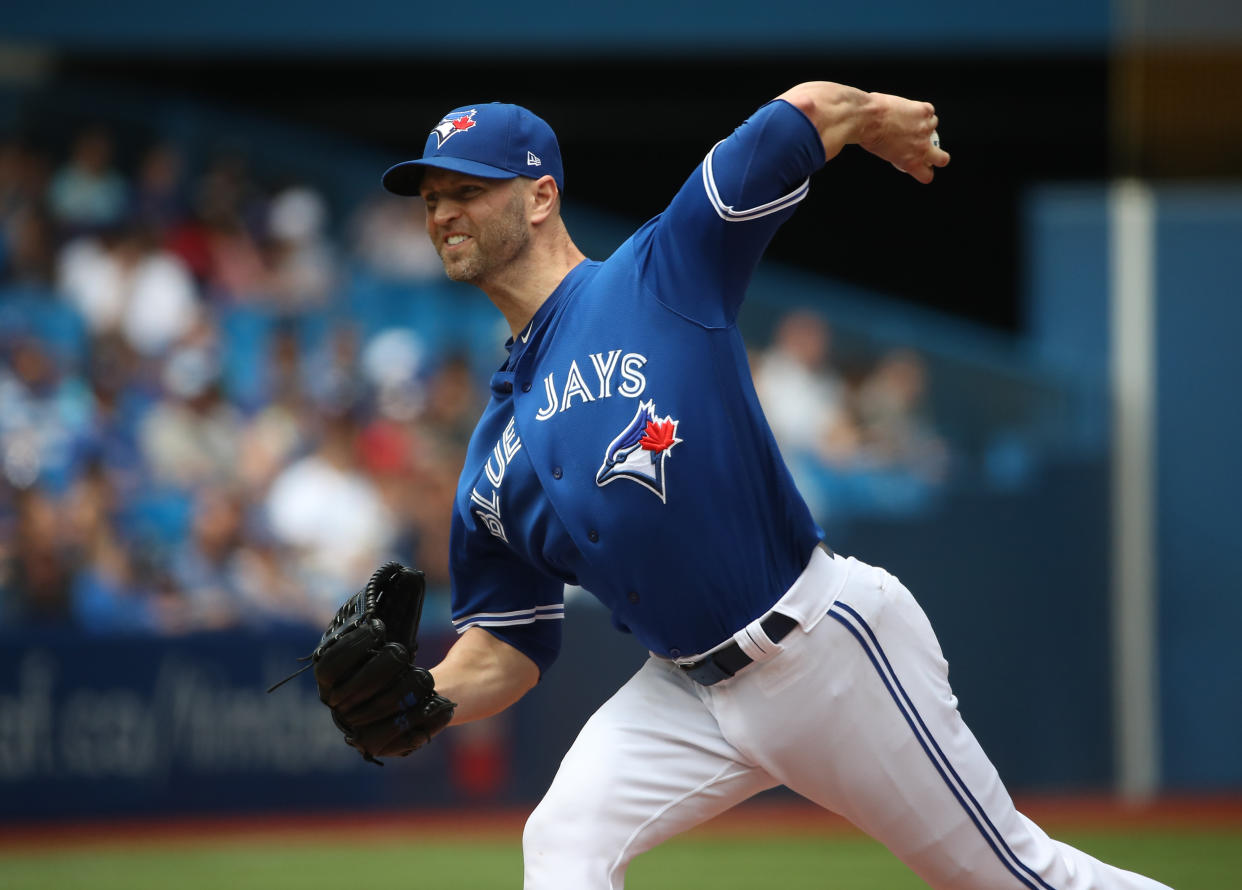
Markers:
445,211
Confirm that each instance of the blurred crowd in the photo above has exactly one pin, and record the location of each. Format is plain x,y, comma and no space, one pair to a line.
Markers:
197,431
857,434
194,431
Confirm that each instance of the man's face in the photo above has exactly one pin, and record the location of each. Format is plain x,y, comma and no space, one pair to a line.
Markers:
478,226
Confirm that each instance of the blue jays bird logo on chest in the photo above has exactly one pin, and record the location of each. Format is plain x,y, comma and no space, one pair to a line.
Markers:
638,453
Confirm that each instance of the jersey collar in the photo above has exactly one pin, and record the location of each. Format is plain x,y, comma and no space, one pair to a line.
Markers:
533,332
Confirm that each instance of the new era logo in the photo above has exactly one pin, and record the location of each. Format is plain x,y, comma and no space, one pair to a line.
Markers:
532,161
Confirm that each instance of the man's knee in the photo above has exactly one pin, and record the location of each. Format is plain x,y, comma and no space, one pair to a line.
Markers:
553,831
562,848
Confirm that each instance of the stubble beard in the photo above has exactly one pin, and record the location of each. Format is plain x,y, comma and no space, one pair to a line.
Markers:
493,249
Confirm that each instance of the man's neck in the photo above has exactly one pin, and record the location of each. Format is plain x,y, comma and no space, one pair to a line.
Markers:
529,281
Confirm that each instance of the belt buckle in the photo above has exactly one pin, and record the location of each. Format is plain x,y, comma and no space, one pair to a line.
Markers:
705,671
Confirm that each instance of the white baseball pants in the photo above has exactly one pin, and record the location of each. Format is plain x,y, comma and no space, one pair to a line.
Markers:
852,710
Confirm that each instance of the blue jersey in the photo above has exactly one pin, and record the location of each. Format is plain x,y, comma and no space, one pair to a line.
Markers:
623,448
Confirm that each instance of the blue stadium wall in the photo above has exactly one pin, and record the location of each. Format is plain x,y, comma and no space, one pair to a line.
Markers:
1198,435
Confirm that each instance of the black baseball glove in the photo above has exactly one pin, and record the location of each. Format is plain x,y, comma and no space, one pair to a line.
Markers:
364,666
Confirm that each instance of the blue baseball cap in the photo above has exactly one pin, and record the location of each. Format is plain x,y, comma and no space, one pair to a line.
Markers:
494,140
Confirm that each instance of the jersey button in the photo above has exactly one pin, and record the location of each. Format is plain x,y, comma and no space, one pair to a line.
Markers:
593,535
675,653
525,387
632,596
556,473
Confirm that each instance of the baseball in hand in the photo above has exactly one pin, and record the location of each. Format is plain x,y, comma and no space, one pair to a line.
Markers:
935,138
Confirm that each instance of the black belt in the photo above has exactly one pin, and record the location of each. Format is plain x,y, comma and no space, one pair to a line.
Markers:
727,661
724,663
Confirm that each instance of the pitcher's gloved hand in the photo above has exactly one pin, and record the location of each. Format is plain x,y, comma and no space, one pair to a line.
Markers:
364,667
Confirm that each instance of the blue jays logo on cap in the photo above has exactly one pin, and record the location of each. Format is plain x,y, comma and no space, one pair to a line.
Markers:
452,125
639,452
492,140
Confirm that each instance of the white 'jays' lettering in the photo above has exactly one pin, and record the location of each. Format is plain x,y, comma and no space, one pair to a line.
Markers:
603,370
635,382
489,507
606,366
575,386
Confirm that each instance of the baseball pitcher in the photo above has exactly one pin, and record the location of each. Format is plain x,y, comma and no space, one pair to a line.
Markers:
623,449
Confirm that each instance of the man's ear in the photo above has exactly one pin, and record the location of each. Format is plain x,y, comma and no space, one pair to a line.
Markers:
544,199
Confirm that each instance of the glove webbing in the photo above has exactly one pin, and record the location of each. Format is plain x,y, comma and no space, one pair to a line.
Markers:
358,606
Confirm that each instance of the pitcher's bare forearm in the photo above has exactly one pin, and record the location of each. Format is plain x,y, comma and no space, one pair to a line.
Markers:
893,128
483,675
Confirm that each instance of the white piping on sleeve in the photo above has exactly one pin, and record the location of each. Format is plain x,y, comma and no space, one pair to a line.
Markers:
506,619
728,214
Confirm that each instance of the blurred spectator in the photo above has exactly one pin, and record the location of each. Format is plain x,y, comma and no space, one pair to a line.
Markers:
20,185
159,202
235,269
106,593
88,193
225,194
90,504
392,364
389,236
285,372
895,430
27,233
124,281
230,211
39,576
204,567
276,431
191,436
120,399
332,515
336,384
28,257
423,505
454,401
301,262
802,394
43,415
268,583
190,240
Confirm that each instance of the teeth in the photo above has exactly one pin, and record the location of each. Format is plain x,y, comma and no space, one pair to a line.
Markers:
455,239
